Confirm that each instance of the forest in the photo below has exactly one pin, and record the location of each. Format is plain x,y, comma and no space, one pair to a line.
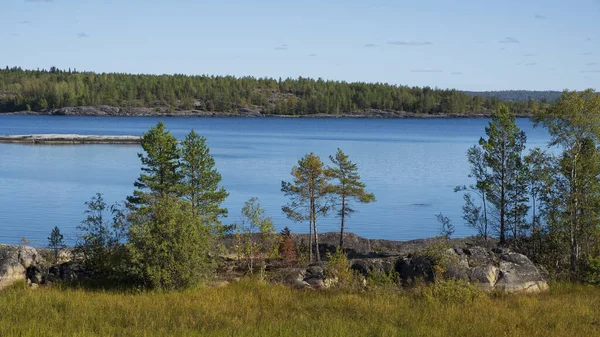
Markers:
39,90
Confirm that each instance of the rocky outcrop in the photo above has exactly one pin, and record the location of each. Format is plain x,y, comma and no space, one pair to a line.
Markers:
14,261
496,269
70,139
313,277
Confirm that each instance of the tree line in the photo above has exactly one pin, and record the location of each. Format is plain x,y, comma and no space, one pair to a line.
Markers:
37,90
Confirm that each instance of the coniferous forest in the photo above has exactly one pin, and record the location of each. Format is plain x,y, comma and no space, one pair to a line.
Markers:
38,90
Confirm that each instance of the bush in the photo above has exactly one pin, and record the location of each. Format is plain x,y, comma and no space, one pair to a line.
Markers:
451,291
287,249
99,241
338,267
169,246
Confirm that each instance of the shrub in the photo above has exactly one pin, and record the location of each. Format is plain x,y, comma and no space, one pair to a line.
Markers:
338,267
99,242
451,291
287,249
169,246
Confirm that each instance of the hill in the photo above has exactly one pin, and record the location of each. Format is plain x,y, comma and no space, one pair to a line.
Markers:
44,90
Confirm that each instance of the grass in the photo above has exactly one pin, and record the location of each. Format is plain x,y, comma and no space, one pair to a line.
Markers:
256,309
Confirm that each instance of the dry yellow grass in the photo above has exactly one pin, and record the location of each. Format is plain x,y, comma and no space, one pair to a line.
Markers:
256,309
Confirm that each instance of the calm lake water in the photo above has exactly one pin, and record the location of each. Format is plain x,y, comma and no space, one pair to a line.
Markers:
412,166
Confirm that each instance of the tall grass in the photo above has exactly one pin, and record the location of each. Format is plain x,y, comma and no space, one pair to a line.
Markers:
257,309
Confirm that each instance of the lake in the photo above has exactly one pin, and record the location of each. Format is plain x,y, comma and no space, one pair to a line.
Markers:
411,165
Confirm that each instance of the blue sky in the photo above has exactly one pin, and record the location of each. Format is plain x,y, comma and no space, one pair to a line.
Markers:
469,45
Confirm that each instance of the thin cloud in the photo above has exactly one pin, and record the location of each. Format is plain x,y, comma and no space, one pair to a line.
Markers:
531,64
82,35
588,39
14,34
456,73
370,45
509,40
38,0
410,43
282,47
529,55
590,71
540,17
426,71
312,55
26,22
589,64
586,54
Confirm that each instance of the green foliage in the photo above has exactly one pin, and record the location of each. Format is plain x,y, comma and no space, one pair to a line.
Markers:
503,159
200,179
160,167
100,239
254,222
308,194
338,267
572,203
439,257
55,88
348,188
452,292
446,226
389,279
56,242
169,245
476,216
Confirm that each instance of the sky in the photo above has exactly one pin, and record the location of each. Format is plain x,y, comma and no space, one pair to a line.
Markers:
467,44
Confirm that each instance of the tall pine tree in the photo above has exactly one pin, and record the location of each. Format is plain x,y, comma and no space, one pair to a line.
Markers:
200,179
308,194
349,188
160,167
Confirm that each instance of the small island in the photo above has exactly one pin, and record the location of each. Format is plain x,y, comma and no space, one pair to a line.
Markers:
69,139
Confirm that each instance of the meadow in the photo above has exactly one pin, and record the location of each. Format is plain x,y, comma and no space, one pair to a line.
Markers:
251,308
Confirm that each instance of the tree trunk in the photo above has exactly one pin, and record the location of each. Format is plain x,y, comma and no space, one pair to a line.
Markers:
503,198
318,253
485,225
573,226
342,225
310,238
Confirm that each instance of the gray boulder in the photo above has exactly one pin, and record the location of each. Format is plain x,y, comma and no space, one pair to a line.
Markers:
519,274
14,260
498,269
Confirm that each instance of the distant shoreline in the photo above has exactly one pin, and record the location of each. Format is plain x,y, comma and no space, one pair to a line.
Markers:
69,139
107,111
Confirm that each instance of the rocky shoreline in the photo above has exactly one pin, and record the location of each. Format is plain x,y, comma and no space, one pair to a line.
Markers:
69,139
243,112
481,263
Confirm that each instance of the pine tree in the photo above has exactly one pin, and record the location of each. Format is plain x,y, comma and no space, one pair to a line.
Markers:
200,183
56,242
308,196
160,167
349,188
